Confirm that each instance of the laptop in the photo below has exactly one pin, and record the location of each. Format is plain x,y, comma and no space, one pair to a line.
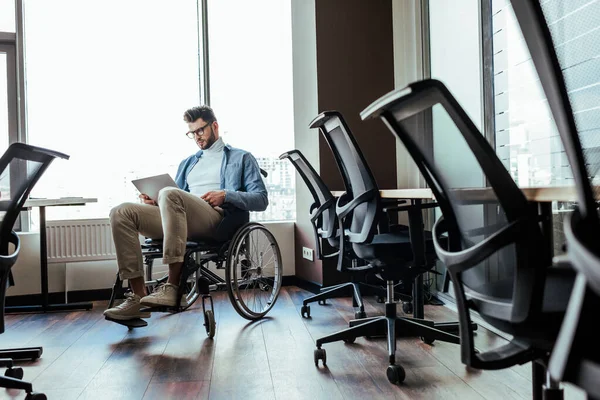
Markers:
153,184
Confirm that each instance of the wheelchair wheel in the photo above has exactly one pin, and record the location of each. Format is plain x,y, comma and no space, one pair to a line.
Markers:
254,271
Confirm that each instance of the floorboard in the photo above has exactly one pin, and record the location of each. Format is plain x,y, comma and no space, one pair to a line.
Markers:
87,357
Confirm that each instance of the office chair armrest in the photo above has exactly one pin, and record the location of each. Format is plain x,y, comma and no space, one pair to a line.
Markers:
320,233
334,254
394,207
392,201
409,206
343,211
317,213
463,260
9,260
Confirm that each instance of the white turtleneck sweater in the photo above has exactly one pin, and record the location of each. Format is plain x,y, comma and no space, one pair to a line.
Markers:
206,174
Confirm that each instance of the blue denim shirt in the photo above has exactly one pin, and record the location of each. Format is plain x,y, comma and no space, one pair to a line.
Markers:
240,178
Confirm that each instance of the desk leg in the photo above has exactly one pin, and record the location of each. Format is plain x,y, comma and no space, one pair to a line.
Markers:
545,210
417,235
46,306
43,258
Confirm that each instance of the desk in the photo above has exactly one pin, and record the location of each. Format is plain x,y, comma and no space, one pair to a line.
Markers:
543,196
46,306
533,194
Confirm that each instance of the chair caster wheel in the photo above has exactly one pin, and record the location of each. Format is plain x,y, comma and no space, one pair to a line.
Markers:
320,354
322,302
16,373
395,374
305,311
36,396
349,340
407,307
427,340
360,315
209,323
380,299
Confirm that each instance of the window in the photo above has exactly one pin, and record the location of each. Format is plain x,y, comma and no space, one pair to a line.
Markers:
526,137
251,89
4,102
8,80
108,82
7,16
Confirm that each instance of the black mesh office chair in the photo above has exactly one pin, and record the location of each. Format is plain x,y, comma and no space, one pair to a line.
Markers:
498,260
325,227
31,162
576,355
390,253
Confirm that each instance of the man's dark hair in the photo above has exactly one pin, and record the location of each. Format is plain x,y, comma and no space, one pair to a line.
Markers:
204,112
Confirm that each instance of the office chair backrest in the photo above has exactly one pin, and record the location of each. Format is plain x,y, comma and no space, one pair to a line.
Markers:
327,223
505,282
356,174
566,55
568,72
29,162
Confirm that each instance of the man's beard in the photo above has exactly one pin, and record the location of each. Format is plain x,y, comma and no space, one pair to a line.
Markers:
210,140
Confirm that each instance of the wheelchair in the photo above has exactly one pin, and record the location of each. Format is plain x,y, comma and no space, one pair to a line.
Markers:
250,256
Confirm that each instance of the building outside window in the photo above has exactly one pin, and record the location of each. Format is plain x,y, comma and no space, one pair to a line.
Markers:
527,140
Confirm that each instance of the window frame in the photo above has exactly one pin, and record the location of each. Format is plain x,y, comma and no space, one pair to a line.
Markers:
203,73
9,45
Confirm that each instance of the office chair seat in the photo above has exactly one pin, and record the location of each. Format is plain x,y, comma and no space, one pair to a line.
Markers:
393,249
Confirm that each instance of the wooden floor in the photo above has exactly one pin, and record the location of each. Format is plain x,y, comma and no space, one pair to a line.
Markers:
87,357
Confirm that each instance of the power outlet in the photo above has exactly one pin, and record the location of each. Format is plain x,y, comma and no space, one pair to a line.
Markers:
307,253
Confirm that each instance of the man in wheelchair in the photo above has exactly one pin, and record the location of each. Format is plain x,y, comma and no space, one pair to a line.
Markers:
215,182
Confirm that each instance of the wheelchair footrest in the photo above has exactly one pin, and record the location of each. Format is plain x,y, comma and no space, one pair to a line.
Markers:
130,323
169,309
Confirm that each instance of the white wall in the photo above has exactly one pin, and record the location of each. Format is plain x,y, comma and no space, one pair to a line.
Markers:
101,274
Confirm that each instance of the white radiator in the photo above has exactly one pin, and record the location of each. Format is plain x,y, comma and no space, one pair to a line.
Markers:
79,240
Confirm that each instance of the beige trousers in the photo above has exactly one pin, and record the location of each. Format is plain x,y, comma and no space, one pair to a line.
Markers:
180,215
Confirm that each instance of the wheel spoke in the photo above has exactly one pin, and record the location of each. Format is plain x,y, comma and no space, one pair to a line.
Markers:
254,273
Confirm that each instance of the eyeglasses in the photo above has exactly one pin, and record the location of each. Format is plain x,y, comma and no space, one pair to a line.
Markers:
197,132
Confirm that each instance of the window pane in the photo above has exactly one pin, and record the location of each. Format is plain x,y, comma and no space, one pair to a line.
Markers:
3,103
108,83
7,16
251,89
527,140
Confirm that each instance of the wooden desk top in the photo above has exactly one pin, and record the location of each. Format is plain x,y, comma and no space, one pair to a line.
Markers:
63,201
423,194
539,194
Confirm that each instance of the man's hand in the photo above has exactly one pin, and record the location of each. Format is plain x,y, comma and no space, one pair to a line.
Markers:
147,200
215,198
